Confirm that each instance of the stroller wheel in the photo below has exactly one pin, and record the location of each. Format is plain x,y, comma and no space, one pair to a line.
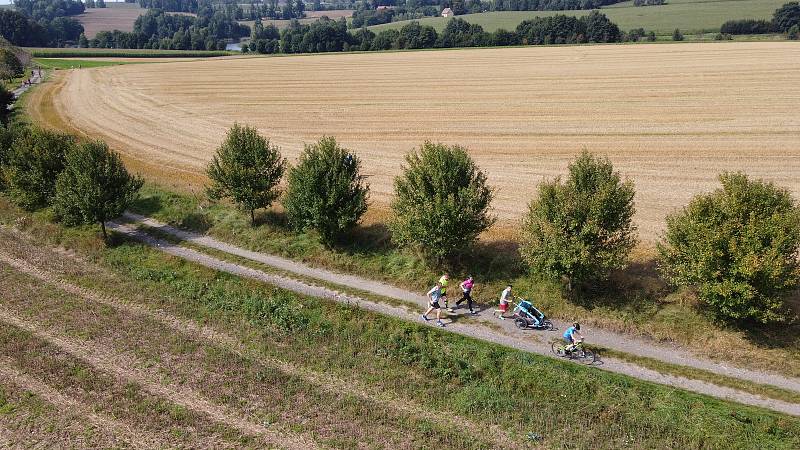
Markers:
547,325
521,323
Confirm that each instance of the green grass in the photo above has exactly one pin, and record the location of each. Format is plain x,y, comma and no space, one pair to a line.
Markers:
445,372
123,53
691,16
54,63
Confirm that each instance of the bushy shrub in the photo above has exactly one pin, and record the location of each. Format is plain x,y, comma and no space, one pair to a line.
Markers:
747,26
246,169
326,191
32,165
580,229
738,246
94,186
6,101
786,17
441,202
677,35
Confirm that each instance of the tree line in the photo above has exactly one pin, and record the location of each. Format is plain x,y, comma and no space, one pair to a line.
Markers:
81,182
736,247
326,35
370,13
158,30
40,23
786,19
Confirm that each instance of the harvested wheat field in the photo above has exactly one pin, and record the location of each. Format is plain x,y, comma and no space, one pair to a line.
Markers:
671,117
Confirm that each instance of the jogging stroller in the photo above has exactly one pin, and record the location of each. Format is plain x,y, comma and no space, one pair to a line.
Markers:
527,316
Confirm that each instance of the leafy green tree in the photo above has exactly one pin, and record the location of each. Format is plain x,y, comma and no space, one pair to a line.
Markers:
246,169
441,202
738,246
8,134
94,186
32,165
580,229
326,192
677,35
6,101
10,65
786,16
82,41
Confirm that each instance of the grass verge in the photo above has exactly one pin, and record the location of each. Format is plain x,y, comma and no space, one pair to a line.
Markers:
444,372
123,53
59,64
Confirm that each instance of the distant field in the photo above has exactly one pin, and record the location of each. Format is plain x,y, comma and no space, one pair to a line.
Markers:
691,16
670,116
119,16
311,16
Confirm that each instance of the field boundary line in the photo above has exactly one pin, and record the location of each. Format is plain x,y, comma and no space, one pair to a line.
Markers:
103,359
526,345
327,382
602,338
136,438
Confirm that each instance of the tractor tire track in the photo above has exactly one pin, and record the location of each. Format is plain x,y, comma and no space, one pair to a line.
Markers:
527,345
326,382
121,367
136,438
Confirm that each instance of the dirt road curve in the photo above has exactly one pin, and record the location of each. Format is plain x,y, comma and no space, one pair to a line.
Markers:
507,336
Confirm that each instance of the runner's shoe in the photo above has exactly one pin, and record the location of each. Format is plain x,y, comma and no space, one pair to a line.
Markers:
440,323
424,318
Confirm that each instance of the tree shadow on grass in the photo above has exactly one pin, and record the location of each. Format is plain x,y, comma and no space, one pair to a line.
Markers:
147,206
637,287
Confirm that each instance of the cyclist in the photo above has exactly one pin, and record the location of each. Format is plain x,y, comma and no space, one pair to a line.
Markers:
569,337
443,283
466,288
505,299
434,295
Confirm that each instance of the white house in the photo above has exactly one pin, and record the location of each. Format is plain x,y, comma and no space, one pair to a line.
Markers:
447,12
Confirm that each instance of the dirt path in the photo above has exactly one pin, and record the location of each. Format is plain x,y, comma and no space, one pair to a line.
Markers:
123,368
36,78
627,344
136,438
513,339
327,382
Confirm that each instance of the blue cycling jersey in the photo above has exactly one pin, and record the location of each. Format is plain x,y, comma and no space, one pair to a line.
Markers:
568,334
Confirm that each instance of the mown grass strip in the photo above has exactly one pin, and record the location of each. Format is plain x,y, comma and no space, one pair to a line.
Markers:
124,53
59,64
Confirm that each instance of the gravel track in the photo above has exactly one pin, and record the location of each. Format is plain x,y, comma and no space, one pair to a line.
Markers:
508,336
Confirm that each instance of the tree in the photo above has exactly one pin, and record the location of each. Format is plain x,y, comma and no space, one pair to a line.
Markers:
100,4
82,41
580,229
6,101
738,246
441,202
787,16
246,169
677,35
8,134
94,186
10,65
326,192
32,165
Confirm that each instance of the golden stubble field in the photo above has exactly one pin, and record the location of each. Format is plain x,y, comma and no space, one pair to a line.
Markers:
670,117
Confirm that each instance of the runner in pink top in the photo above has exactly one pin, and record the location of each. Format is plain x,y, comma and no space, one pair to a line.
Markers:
466,288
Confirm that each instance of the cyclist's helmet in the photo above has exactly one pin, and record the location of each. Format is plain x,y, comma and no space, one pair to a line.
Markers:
577,326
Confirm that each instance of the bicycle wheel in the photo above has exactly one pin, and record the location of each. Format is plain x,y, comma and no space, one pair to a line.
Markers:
557,349
589,357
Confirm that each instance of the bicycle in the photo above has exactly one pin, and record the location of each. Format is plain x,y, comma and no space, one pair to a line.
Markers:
578,352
